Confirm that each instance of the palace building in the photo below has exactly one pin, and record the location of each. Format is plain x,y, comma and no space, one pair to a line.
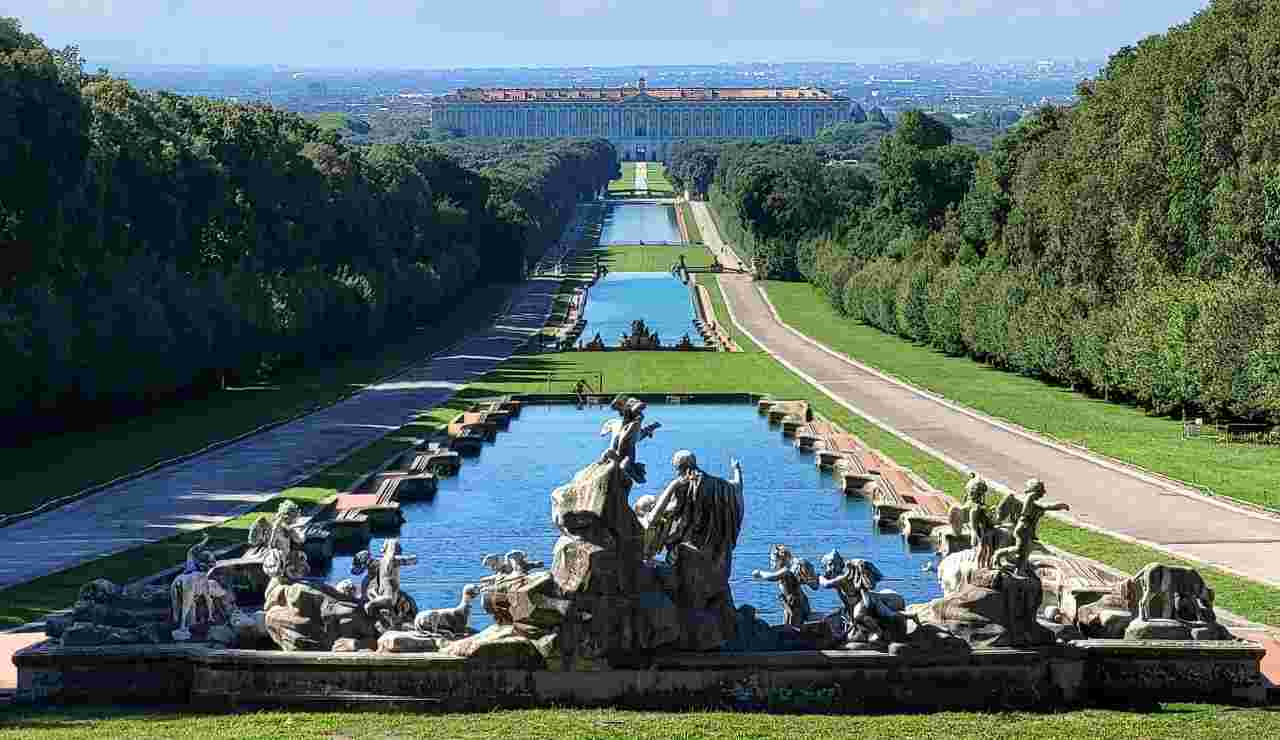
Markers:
642,122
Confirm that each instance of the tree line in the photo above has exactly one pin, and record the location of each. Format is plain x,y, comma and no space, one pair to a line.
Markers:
1127,245
156,245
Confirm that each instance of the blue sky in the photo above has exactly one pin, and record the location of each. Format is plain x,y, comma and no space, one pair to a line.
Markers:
471,33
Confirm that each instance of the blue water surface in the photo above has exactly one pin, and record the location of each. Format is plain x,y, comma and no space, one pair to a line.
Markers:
501,501
656,297
636,223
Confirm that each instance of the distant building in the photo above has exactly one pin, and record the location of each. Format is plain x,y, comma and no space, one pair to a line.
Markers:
642,122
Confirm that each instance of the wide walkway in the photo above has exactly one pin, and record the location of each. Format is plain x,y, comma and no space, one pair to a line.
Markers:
1173,518
231,480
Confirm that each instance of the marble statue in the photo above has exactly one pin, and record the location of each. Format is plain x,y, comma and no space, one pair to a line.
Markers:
699,510
1017,556
283,541
452,622
625,433
870,615
974,517
197,599
391,607
791,574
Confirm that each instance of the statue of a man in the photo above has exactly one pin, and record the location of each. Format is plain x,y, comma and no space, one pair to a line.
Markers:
791,574
1017,556
698,509
627,432
870,615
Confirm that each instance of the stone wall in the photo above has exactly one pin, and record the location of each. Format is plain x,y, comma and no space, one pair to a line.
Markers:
1079,674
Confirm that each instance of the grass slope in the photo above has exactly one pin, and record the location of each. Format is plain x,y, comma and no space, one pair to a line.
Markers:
40,470
1247,472
1172,722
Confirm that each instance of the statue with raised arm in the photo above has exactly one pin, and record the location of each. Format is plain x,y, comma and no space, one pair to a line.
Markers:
387,603
698,509
626,432
791,574
1017,556
870,615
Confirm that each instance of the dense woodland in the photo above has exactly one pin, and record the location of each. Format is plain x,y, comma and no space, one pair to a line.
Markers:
155,245
1128,245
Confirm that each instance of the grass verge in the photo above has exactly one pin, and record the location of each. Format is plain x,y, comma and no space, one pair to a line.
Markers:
690,223
1171,721
1245,472
39,470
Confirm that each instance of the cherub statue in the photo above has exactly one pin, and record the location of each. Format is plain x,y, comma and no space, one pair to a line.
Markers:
974,516
697,509
387,603
283,540
364,564
1017,556
791,574
627,431
870,615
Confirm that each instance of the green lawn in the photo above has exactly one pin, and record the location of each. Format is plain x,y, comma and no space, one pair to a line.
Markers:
1247,472
651,258
1173,721
51,467
690,223
628,179
657,174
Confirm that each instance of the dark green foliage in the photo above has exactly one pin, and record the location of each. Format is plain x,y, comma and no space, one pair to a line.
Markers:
156,245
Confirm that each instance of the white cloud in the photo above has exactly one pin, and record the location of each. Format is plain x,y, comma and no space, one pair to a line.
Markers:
938,11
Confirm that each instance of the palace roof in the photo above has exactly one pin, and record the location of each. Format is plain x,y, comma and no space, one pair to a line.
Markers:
621,94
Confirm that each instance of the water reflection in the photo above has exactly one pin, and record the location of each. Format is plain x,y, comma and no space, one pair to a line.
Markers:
640,223
622,297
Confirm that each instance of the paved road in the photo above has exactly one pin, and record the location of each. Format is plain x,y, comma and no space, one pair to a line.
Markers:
228,481
1168,516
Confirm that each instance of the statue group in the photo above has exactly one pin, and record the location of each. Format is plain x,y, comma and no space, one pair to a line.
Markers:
629,580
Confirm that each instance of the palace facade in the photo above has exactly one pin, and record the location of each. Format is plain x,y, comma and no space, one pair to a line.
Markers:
642,122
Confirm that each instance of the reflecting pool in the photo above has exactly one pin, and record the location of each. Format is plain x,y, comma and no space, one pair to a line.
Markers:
622,297
636,223
501,501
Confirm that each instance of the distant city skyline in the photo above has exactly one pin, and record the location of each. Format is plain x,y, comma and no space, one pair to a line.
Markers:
430,34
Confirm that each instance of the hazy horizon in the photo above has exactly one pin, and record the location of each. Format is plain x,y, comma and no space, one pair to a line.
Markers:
415,34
